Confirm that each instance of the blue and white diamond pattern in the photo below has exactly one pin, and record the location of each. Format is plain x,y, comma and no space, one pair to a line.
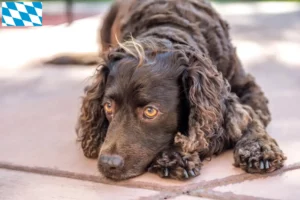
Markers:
22,13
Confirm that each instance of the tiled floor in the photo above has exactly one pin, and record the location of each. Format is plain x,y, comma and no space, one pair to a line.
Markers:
40,158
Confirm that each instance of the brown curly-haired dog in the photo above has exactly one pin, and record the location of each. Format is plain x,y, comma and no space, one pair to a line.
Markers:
172,96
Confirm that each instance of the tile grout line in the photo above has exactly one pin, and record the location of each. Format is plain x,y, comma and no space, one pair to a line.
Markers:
160,196
165,191
206,193
238,178
209,185
82,177
212,194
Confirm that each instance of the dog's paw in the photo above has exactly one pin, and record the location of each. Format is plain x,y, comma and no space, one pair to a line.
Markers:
258,156
172,164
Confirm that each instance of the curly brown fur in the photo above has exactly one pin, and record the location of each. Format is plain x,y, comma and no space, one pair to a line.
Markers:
181,62
92,123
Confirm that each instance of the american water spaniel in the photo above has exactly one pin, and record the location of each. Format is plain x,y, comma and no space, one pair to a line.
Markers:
170,92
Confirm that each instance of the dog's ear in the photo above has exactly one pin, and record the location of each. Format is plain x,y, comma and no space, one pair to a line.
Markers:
203,86
92,123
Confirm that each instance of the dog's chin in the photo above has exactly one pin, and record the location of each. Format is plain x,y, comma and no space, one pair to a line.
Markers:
119,176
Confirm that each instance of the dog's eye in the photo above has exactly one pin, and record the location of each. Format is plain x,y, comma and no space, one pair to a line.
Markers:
150,112
108,108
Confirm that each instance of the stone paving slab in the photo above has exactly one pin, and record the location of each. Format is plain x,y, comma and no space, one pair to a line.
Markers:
285,186
16,185
53,133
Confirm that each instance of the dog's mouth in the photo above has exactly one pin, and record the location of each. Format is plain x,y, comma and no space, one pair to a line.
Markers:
119,175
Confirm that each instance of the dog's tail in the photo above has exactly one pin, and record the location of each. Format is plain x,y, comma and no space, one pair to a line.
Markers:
91,58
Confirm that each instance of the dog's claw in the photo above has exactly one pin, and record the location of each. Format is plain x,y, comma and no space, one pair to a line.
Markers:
185,161
166,172
192,173
278,161
250,164
267,164
185,174
242,158
197,170
262,165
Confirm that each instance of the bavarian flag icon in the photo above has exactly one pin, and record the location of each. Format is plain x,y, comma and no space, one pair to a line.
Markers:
22,13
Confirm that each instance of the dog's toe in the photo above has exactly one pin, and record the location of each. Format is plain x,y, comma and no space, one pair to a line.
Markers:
185,173
259,157
192,173
166,172
177,166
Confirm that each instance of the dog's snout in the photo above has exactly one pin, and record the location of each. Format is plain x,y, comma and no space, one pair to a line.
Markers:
111,161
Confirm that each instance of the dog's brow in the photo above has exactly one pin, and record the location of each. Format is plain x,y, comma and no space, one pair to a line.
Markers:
143,101
111,93
147,98
111,96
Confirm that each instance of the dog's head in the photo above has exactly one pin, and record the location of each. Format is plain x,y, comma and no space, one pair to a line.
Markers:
140,98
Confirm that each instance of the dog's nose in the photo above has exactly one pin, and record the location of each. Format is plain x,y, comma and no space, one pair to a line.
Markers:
111,161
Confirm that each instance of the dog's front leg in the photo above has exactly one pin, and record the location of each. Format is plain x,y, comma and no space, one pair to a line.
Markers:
177,164
255,150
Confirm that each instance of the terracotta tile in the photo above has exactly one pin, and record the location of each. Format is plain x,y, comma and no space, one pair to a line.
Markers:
285,125
38,117
284,186
24,186
287,136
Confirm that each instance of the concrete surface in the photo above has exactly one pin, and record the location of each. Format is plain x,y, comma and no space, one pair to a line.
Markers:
40,158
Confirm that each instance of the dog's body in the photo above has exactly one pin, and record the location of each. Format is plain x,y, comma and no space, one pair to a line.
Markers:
173,96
